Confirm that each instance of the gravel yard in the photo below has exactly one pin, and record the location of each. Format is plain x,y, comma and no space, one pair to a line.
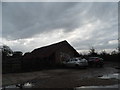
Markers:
65,77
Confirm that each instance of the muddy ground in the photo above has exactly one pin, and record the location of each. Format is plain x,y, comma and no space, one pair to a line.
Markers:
66,77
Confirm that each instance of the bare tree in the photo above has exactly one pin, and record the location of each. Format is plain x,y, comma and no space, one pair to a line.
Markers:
92,51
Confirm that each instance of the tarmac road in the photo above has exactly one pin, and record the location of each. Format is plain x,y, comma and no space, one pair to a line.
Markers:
66,78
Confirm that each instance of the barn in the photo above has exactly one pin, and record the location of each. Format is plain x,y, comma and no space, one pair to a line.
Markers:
50,55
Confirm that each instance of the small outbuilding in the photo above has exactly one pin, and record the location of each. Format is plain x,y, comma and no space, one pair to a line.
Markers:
51,54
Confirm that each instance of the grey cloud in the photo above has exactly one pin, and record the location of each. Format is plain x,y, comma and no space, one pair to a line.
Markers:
19,19
0,20
26,20
34,18
100,37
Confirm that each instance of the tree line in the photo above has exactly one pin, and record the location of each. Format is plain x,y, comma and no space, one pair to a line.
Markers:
113,56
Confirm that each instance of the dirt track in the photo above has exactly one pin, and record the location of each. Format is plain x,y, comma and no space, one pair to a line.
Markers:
67,77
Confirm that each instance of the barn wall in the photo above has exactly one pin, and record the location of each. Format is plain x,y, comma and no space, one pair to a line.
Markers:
37,63
64,53
10,65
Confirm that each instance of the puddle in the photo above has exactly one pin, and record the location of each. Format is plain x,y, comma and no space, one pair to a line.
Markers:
28,85
25,85
109,76
109,86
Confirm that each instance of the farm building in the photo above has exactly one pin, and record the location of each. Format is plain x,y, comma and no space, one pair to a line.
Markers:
50,55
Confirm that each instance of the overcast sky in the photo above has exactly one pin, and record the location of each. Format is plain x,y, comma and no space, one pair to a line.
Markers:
26,26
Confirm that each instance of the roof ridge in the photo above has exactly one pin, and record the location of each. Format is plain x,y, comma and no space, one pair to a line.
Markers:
64,41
